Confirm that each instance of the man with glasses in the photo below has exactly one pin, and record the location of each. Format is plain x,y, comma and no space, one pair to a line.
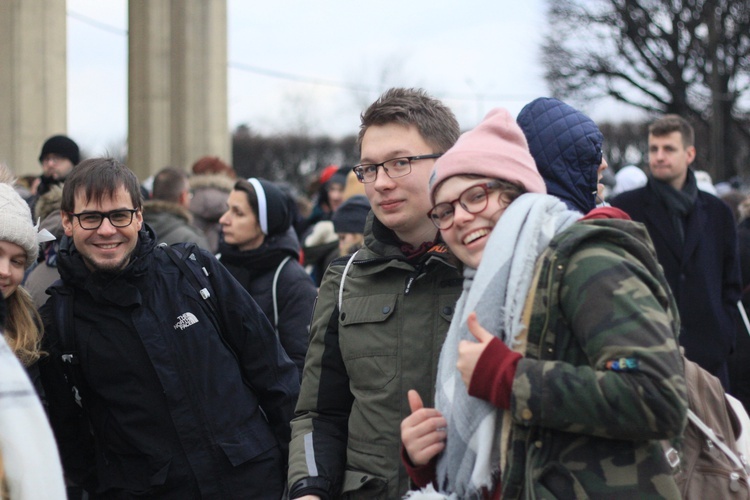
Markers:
381,315
181,397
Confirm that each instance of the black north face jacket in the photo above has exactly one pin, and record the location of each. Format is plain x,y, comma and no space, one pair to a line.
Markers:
176,410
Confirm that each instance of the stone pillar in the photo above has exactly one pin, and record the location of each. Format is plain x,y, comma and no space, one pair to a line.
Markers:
177,85
33,79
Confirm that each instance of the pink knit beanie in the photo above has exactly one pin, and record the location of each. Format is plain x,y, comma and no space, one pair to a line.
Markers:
496,148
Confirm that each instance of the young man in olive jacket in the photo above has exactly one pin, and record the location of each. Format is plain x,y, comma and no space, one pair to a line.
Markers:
379,333
180,399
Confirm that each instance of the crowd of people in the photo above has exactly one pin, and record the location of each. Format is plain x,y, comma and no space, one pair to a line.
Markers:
456,316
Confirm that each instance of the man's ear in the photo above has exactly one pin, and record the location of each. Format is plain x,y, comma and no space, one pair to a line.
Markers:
690,153
139,218
67,222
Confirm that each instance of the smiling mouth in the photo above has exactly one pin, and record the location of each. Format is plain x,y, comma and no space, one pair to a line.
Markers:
108,246
475,235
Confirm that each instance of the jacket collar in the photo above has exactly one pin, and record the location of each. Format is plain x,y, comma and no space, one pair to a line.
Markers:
115,287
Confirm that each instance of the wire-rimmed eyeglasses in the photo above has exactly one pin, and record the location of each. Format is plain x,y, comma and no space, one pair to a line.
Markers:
118,218
473,200
394,168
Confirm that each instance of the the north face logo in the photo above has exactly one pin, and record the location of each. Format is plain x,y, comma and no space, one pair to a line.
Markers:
185,320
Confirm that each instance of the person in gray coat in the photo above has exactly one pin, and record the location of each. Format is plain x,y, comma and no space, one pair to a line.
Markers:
168,211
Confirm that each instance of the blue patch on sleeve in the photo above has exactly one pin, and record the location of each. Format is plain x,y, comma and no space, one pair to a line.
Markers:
622,365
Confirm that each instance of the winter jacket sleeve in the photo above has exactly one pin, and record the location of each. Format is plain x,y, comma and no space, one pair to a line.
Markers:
632,386
317,453
264,364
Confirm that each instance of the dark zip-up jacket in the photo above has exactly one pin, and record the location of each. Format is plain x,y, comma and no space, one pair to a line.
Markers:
295,290
162,389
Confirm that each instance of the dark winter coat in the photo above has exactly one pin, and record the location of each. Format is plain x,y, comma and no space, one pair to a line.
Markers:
704,273
295,291
177,410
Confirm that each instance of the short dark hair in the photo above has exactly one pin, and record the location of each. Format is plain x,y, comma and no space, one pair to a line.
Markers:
435,121
252,198
97,179
169,184
673,123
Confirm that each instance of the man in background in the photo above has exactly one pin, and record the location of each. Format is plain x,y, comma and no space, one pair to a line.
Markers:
696,243
168,210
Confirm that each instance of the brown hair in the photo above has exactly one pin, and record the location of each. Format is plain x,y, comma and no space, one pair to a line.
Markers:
435,121
23,330
673,123
213,165
97,179
252,198
169,184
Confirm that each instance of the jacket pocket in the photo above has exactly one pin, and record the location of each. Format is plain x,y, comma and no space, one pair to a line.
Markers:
368,337
133,473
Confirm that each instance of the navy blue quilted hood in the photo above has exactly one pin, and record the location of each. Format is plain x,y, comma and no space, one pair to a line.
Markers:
567,148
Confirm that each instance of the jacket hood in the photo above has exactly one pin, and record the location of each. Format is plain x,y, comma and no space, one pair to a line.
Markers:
567,148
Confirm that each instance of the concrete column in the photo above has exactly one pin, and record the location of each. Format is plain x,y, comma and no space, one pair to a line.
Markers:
177,83
33,79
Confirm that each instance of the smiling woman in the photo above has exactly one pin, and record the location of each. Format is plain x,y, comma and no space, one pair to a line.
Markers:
532,354
18,251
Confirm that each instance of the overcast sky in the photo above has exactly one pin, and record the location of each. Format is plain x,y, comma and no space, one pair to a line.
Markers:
313,65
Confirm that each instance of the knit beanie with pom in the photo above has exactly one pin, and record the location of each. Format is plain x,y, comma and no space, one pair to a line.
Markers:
496,148
17,226
274,207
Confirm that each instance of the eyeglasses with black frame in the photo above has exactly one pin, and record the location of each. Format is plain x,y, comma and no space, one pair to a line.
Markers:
118,218
473,200
394,168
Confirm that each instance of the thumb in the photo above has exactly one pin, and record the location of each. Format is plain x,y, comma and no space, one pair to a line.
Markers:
477,330
415,402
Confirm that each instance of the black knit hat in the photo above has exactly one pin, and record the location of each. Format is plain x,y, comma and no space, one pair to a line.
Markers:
61,146
351,215
274,207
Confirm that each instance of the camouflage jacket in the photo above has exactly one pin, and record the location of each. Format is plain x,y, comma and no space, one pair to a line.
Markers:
602,380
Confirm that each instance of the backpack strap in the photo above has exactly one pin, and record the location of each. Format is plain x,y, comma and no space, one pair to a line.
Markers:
63,311
199,279
343,278
198,276
711,435
273,291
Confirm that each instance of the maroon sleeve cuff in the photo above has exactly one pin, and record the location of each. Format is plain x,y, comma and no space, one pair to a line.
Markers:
420,475
493,376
